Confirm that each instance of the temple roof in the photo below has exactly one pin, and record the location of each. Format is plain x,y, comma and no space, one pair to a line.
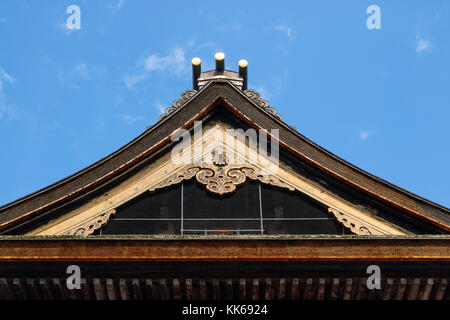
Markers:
227,90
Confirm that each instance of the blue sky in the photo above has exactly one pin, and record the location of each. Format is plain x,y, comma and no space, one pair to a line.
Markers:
377,98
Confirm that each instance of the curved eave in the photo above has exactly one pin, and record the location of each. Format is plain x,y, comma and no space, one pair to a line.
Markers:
225,93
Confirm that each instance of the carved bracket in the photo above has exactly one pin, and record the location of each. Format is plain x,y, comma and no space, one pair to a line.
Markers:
91,225
221,179
256,99
351,223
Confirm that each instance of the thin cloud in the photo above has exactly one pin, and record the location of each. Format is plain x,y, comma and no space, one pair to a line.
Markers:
115,8
131,81
365,134
161,108
290,33
174,62
130,119
422,44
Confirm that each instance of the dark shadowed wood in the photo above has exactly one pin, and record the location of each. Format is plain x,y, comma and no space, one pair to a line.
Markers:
255,289
189,290
19,289
124,290
164,290
99,290
46,289
242,289
388,289
6,290
215,290
229,289
362,289
268,295
282,289
401,288
321,289
308,293
414,286
154,289
440,292
111,290
334,291
203,290
347,295
137,290
33,290
86,292
295,290
176,290
426,292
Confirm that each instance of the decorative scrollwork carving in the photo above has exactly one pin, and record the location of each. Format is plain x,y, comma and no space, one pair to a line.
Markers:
184,97
256,98
255,174
354,225
220,180
93,224
184,174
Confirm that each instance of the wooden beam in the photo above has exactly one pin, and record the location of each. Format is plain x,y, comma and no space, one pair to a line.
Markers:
228,289
425,294
362,289
388,289
164,290
203,290
255,289
401,288
19,289
137,290
334,292
413,289
110,290
124,289
46,289
268,295
295,290
99,290
189,290
216,290
321,289
348,289
242,289
282,289
86,292
440,292
308,293
176,289
6,290
174,249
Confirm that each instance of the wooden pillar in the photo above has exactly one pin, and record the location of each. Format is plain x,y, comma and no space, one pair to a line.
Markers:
255,289
295,290
334,293
282,289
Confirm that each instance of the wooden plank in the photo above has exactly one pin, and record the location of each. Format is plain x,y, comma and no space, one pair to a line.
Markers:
124,290
348,289
46,289
176,289
440,292
99,290
268,294
255,289
388,289
86,292
111,290
413,289
401,288
282,289
203,290
228,289
137,290
362,289
216,290
425,295
295,290
334,292
242,289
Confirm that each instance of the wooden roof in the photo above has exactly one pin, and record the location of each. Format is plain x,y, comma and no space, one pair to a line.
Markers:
252,111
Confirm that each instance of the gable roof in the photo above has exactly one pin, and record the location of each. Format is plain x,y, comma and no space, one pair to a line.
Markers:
248,108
